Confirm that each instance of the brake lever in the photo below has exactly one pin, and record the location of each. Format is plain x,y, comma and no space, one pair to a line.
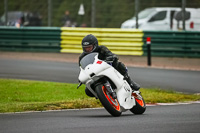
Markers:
79,85
109,62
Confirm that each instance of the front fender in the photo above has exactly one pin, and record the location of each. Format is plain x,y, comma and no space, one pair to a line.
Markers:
92,83
83,77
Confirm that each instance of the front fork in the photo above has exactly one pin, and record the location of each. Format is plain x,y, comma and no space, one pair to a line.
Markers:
110,90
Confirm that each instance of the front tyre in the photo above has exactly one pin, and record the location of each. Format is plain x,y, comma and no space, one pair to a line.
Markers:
140,106
110,104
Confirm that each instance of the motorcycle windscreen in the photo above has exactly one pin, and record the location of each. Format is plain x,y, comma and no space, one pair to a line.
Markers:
88,59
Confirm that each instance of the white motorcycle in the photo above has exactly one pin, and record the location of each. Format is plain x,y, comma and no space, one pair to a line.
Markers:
109,86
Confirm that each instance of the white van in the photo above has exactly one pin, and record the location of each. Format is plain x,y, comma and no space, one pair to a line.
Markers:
163,18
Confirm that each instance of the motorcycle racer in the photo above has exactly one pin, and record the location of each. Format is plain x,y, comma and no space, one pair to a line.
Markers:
90,44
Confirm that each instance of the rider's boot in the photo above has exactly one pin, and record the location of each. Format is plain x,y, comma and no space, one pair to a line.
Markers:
133,85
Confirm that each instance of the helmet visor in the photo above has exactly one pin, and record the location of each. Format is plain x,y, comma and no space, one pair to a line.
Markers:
88,48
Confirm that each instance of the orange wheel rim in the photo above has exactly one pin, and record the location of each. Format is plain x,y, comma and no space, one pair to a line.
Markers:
140,102
113,102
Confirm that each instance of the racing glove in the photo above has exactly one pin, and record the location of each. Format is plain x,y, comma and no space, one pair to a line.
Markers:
111,59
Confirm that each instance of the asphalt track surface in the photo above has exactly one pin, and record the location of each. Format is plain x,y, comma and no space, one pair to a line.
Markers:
183,118
178,80
157,119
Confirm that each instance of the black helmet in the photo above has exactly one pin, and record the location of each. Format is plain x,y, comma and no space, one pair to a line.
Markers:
89,43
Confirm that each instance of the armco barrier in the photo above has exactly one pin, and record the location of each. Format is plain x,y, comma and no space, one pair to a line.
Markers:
34,39
173,44
119,41
123,42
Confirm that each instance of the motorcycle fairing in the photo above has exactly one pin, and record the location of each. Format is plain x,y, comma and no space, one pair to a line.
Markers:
95,70
124,91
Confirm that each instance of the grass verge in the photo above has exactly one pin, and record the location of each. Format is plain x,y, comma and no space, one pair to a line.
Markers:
25,95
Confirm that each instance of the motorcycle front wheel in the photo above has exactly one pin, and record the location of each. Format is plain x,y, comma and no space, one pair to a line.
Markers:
110,104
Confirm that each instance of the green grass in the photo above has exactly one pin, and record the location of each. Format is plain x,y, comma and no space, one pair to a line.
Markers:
25,95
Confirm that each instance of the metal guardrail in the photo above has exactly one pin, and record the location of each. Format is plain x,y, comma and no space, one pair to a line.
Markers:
119,41
124,42
32,39
173,44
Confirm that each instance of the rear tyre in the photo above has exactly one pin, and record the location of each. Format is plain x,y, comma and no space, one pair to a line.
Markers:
110,104
140,106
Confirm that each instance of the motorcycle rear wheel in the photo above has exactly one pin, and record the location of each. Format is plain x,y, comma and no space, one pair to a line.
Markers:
140,106
110,104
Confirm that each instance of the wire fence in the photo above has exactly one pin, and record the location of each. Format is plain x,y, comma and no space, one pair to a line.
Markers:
79,13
